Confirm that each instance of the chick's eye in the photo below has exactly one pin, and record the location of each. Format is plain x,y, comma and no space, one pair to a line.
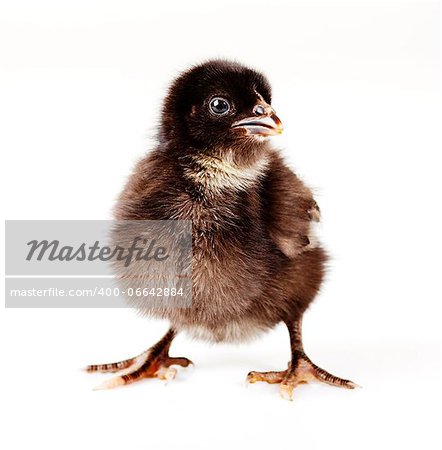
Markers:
219,106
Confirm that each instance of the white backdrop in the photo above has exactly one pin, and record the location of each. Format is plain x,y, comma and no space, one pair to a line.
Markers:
357,86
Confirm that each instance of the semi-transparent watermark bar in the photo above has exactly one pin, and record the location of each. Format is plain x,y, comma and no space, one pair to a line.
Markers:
142,264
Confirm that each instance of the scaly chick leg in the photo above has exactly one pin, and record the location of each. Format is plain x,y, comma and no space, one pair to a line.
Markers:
301,369
153,363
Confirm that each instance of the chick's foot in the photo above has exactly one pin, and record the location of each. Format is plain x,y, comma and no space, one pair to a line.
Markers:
300,371
153,363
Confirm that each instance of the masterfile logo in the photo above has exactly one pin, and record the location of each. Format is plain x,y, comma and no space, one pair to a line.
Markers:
98,263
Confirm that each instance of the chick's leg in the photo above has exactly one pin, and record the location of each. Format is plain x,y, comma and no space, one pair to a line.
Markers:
301,369
153,363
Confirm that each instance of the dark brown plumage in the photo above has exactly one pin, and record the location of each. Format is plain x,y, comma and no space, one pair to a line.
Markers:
255,260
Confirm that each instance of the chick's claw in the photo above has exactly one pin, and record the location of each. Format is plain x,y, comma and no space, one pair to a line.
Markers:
116,366
166,373
183,362
268,377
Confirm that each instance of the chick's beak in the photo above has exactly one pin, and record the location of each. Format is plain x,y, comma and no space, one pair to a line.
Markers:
266,125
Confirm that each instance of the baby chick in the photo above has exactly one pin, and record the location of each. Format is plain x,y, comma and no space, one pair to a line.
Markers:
255,261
